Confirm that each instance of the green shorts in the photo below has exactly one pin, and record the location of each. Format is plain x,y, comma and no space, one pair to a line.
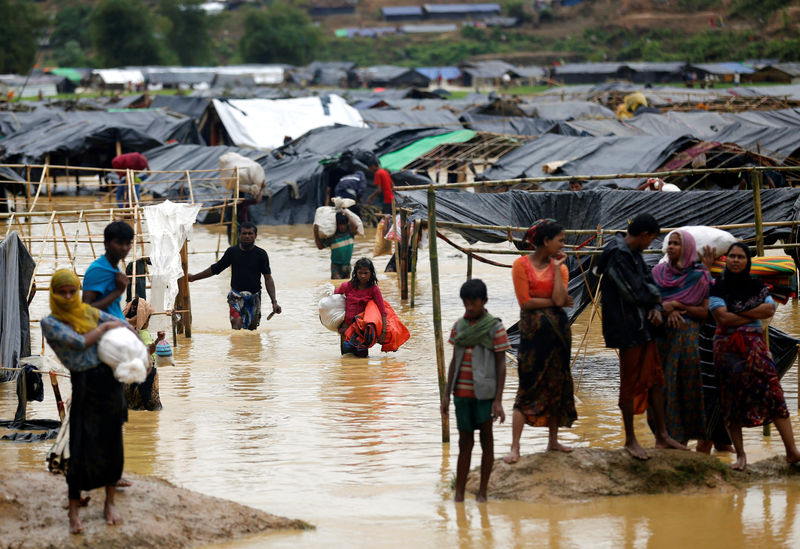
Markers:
471,413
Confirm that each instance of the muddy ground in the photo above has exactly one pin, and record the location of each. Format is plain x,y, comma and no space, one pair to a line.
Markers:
155,512
589,473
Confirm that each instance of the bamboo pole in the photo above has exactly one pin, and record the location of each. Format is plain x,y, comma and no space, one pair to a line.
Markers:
757,213
235,220
184,301
414,252
600,177
437,307
402,256
191,192
469,266
39,259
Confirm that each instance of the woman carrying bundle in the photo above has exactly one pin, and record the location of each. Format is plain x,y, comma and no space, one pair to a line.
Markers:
750,390
98,409
684,285
545,395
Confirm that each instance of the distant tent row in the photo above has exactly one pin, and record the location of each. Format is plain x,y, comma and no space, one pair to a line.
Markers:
439,11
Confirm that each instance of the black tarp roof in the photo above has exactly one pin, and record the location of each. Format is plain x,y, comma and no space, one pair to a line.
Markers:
88,138
587,156
193,107
517,125
295,179
379,118
609,209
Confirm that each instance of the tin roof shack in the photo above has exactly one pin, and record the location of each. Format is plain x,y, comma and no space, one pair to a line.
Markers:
460,11
173,80
487,73
724,72
591,73
785,73
117,79
391,76
323,8
402,13
652,73
22,86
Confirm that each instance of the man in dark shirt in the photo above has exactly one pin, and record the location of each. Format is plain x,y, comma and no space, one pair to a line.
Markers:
631,304
247,262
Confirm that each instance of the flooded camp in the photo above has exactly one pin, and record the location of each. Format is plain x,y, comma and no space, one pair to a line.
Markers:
509,301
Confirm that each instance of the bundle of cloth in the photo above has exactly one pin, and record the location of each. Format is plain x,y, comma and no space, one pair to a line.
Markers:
363,333
778,272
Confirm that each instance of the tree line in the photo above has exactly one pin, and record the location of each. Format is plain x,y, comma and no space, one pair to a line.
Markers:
113,33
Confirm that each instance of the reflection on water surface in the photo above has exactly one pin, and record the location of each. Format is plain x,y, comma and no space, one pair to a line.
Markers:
278,420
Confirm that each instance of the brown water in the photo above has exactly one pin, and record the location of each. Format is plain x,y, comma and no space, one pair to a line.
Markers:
277,419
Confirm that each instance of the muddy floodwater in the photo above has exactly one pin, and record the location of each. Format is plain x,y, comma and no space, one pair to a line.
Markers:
278,420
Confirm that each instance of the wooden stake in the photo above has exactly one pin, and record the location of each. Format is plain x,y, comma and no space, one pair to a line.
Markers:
57,394
437,307
235,222
414,251
757,213
469,266
402,256
184,301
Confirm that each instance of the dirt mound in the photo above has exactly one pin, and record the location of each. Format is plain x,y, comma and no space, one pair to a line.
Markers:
156,514
589,473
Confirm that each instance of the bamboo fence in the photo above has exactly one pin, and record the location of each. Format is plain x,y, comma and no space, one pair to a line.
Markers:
434,225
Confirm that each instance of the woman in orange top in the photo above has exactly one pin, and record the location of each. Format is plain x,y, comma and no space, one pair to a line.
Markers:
544,396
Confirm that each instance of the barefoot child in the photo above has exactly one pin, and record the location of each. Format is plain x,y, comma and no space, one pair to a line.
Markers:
476,378
358,292
341,245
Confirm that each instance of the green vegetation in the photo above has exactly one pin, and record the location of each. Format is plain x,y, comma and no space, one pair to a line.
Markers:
20,29
134,32
186,31
122,34
280,33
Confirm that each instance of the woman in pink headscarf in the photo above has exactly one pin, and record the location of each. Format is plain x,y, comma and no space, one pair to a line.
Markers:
684,285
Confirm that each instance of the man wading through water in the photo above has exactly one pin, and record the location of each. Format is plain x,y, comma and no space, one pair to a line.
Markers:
247,262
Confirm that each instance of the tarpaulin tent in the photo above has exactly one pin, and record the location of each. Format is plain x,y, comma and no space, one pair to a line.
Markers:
206,188
397,160
518,125
89,138
379,118
587,156
193,107
17,267
610,209
263,123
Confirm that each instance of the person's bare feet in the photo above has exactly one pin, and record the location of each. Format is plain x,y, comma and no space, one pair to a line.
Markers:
123,483
740,464
558,447
704,446
724,448
669,443
75,526
83,502
459,498
512,456
793,458
112,517
481,498
635,450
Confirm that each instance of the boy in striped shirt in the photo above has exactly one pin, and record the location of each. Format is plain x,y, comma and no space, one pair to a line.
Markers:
476,378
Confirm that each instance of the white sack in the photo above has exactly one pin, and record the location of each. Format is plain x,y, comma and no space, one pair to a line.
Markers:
125,353
252,179
325,219
717,239
169,225
331,311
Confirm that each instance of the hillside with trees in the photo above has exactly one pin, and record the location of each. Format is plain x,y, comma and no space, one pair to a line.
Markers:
107,33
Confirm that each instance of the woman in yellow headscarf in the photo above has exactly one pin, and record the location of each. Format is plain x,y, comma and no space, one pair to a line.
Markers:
98,402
